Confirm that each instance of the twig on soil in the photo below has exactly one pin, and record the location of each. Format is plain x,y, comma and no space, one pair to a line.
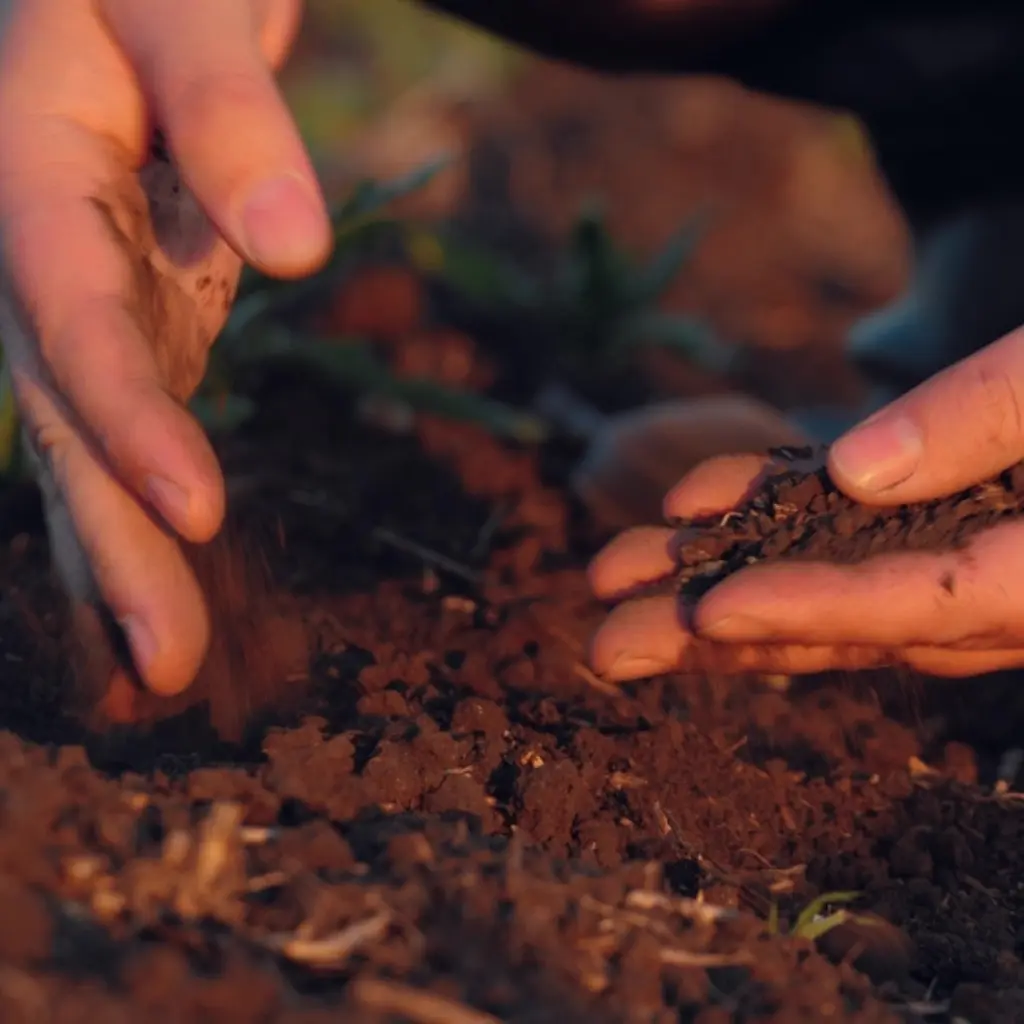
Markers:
697,910
333,950
220,827
391,997
486,535
271,880
256,835
426,555
684,958
923,1008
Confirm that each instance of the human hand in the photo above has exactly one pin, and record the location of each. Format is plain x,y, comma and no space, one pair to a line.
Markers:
958,613
82,83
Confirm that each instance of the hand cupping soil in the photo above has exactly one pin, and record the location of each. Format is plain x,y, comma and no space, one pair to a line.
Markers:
797,513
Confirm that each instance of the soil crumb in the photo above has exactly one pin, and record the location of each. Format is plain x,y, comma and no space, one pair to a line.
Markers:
796,512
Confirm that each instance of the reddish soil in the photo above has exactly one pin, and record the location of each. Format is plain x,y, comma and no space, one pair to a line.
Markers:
460,822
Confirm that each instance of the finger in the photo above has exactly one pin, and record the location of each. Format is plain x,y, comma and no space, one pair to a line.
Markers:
640,638
139,569
954,664
963,425
279,21
646,637
74,281
962,598
717,485
213,93
637,556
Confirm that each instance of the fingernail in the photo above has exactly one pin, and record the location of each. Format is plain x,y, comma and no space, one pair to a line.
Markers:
169,499
734,627
627,667
878,454
141,639
283,224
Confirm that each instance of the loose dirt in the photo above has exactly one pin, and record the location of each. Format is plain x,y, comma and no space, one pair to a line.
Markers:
796,512
459,823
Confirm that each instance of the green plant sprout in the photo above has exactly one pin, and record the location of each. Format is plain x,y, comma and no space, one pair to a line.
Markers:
256,334
817,918
599,302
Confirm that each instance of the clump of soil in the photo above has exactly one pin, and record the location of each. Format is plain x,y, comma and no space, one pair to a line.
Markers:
796,512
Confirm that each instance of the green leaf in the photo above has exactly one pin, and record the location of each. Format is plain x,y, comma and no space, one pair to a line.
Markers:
651,283
352,365
685,335
596,272
370,197
820,926
484,277
814,909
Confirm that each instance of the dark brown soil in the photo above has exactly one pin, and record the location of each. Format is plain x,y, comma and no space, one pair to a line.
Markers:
460,821
796,512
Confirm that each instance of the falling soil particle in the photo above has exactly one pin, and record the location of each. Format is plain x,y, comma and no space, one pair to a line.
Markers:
256,665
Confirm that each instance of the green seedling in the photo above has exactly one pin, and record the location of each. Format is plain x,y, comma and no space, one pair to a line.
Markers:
358,223
818,918
352,365
599,301
257,332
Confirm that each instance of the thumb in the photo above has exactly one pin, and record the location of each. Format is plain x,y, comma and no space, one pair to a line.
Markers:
959,427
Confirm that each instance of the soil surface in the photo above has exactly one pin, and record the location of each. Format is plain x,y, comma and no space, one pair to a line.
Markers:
797,513
460,823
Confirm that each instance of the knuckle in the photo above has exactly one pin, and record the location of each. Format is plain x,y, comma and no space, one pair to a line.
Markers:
209,100
996,404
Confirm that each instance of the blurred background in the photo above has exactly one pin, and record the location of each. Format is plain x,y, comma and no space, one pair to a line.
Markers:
804,239
680,250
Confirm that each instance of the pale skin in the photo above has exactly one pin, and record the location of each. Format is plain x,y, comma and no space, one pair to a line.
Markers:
80,76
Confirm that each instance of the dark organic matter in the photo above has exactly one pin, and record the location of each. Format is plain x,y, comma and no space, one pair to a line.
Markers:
795,512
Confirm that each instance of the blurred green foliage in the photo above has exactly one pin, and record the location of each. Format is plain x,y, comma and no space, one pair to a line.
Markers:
820,916
355,59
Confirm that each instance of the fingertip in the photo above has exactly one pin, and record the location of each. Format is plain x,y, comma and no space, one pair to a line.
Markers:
636,556
714,486
640,638
168,654
283,226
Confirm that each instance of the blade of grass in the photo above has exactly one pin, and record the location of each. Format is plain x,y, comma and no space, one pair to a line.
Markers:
816,906
651,282
351,365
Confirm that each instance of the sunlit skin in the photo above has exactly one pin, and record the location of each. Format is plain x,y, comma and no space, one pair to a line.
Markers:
952,614
81,84
82,79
